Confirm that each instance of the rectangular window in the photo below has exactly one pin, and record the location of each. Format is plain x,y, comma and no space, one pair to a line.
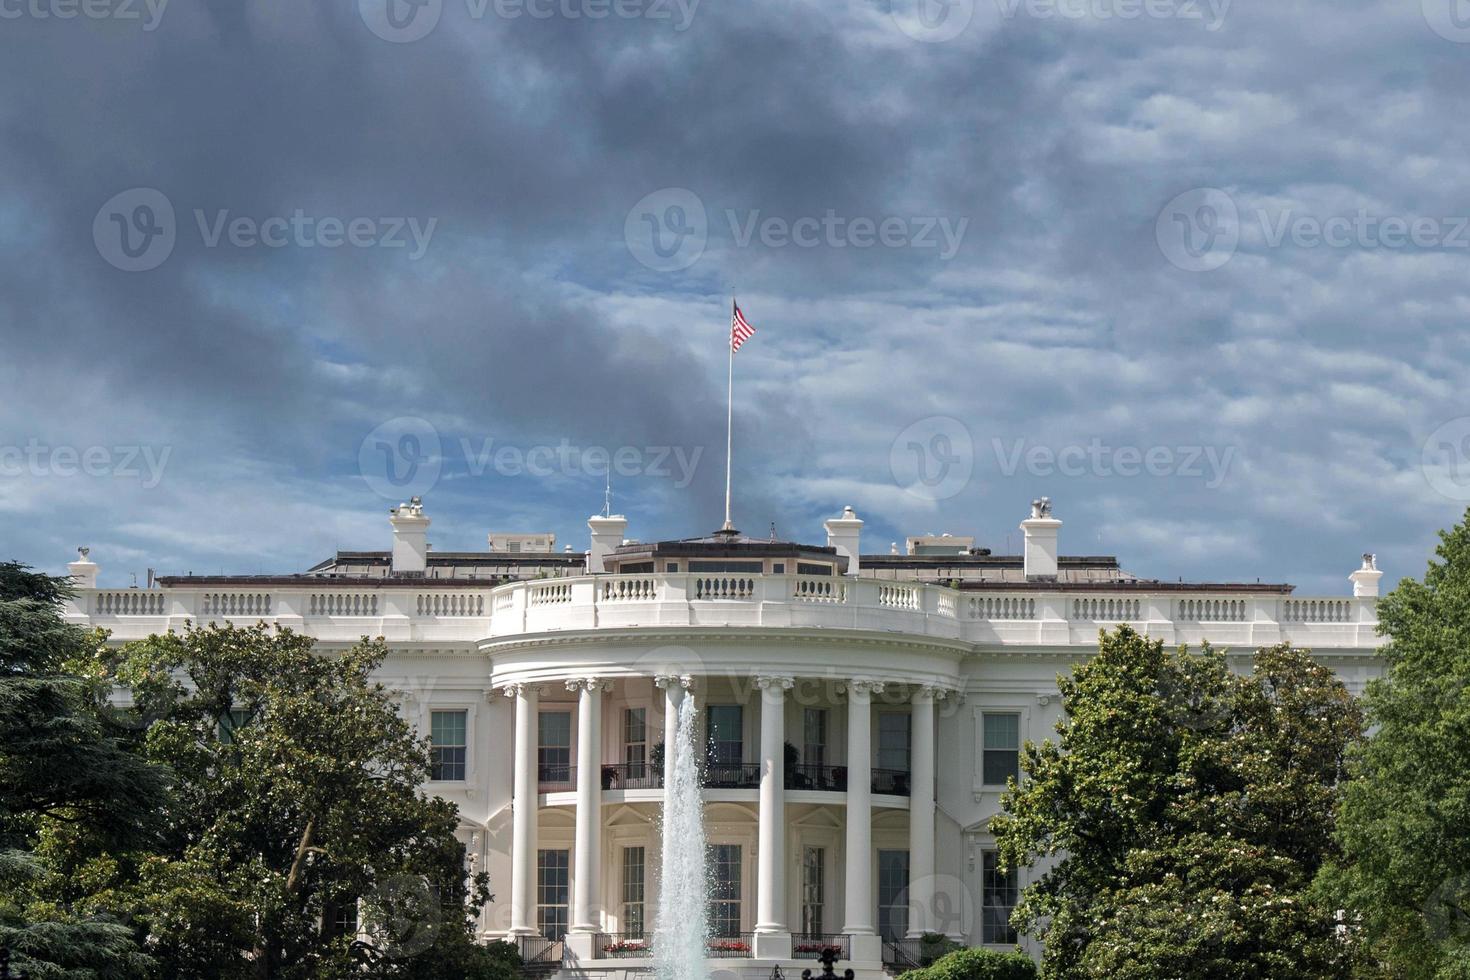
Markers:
447,744
1002,748
554,753
635,741
344,918
997,899
724,895
231,722
811,568
813,890
778,568
893,888
552,880
814,737
725,725
754,567
893,741
633,891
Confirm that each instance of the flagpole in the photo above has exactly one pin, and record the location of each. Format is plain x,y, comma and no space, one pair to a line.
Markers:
729,413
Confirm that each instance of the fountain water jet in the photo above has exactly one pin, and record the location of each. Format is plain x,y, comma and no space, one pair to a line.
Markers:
681,931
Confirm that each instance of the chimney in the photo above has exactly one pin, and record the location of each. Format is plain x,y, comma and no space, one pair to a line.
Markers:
1041,542
410,537
1365,579
607,533
83,570
843,533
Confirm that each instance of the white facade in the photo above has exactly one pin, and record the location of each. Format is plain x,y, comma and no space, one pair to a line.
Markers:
903,692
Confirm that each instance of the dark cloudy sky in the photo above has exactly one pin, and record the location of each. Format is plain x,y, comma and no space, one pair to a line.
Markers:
1197,270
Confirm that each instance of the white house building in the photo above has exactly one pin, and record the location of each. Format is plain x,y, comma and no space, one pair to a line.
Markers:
862,711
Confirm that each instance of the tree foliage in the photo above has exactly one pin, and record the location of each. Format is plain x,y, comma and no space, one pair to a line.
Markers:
296,807
1405,824
66,770
1182,814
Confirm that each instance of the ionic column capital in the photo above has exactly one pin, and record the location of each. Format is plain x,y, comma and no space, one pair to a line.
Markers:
778,684
666,681
864,686
592,684
933,692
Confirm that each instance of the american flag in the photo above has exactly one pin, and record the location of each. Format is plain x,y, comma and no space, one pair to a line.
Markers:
740,331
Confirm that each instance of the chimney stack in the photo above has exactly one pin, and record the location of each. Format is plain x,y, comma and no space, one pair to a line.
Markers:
844,534
1041,542
1365,579
607,534
83,570
410,537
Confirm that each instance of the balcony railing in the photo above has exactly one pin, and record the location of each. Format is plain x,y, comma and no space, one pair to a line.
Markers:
734,946
467,612
722,775
812,945
622,945
539,949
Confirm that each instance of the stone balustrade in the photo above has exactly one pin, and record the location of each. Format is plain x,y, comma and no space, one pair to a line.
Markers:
465,614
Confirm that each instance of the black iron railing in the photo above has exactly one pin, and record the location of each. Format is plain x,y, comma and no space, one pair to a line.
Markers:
903,954
731,775
556,779
633,775
621,945
891,782
832,779
811,947
539,949
735,946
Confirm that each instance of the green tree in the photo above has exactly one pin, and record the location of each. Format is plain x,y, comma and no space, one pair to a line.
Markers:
1405,824
1183,813
67,773
296,809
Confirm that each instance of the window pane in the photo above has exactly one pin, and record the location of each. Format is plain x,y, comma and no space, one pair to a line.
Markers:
814,737
554,754
1001,757
997,899
813,890
724,906
447,741
635,740
633,858
726,735
893,741
893,883
552,880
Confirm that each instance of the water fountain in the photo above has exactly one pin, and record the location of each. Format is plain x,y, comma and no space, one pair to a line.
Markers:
681,930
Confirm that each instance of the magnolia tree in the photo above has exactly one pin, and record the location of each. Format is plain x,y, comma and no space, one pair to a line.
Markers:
1183,812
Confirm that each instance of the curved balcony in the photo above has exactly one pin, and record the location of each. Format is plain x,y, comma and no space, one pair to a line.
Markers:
717,775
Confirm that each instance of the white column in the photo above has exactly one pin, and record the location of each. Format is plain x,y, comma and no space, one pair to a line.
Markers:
773,938
860,907
523,811
921,813
585,917
674,686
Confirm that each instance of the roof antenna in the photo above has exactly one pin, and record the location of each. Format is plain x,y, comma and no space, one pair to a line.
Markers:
773,532
607,493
